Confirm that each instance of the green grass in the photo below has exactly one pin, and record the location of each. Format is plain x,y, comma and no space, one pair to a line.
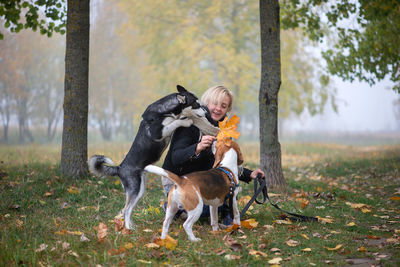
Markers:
38,206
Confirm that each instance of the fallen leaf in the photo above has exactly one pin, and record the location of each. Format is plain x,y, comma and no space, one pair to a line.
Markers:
393,240
83,238
42,247
282,222
232,243
324,220
275,250
351,224
396,198
102,232
232,228
115,251
275,261
66,245
19,223
306,249
119,224
249,224
373,237
143,261
305,236
147,230
152,245
362,249
257,253
47,194
232,257
168,242
365,210
244,200
73,190
335,248
292,243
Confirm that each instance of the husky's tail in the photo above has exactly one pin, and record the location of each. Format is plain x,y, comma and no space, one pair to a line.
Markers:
99,166
161,172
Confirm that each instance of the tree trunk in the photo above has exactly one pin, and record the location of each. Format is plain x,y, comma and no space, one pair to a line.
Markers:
74,137
270,148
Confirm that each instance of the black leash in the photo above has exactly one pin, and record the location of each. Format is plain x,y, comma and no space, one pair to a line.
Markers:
231,189
263,188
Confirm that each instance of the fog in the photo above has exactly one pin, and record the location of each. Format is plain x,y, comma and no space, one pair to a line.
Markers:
361,108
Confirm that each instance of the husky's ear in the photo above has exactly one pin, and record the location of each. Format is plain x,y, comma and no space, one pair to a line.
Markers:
181,89
181,99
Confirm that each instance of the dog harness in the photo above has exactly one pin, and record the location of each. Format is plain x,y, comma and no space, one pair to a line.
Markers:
231,188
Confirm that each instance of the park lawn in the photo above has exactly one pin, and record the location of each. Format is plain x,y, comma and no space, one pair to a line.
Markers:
47,219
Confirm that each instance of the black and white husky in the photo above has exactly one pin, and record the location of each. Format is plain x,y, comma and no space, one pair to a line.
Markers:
160,120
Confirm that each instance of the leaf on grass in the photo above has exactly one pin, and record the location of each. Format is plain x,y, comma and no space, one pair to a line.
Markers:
168,242
143,261
275,261
19,223
257,253
335,248
232,228
73,190
275,250
305,236
48,194
282,221
373,237
66,245
303,201
147,230
102,231
83,238
393,240
232,257
119,224
351,224
292,243
362,249
152,245
232,243
249,224
324,220
41,247
244,200
366,210
115,251
396,198
306,249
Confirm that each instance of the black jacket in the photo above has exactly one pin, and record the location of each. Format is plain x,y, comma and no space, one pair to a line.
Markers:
181,158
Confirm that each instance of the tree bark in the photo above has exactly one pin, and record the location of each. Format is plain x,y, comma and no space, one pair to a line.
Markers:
270,148
74,137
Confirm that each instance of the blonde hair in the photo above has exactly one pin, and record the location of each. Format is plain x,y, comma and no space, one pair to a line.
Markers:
215,95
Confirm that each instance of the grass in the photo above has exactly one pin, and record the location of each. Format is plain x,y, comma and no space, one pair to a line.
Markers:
43,214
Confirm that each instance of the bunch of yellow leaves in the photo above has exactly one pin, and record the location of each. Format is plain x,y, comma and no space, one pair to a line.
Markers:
228,129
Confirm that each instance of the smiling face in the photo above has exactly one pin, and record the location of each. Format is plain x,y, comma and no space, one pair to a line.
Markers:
218,109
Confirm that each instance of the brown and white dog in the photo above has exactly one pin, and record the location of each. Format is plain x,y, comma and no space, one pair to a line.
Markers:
210,187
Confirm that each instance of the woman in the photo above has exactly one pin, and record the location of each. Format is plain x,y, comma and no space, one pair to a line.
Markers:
190,151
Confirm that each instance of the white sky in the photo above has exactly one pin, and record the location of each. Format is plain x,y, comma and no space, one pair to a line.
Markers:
361,108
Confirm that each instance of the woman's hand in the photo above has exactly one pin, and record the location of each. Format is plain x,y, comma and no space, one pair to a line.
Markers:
254,174
205,142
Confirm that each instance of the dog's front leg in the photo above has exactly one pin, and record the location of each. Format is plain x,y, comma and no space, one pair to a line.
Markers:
169,128
214,217
236,214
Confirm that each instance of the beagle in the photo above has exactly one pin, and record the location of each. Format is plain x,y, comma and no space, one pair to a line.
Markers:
210,187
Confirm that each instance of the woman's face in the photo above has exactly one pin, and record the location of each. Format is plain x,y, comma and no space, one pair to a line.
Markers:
218,110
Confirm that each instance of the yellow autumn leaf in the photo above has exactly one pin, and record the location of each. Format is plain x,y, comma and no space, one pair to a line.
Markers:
244,200
306,249
228,129
395,198
232,228
117,182
362,249
168,242
73,190
351,224
249,224
152,245
257,253
128,246
335,248
305,236
324,220
275,261
292,243
366,210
